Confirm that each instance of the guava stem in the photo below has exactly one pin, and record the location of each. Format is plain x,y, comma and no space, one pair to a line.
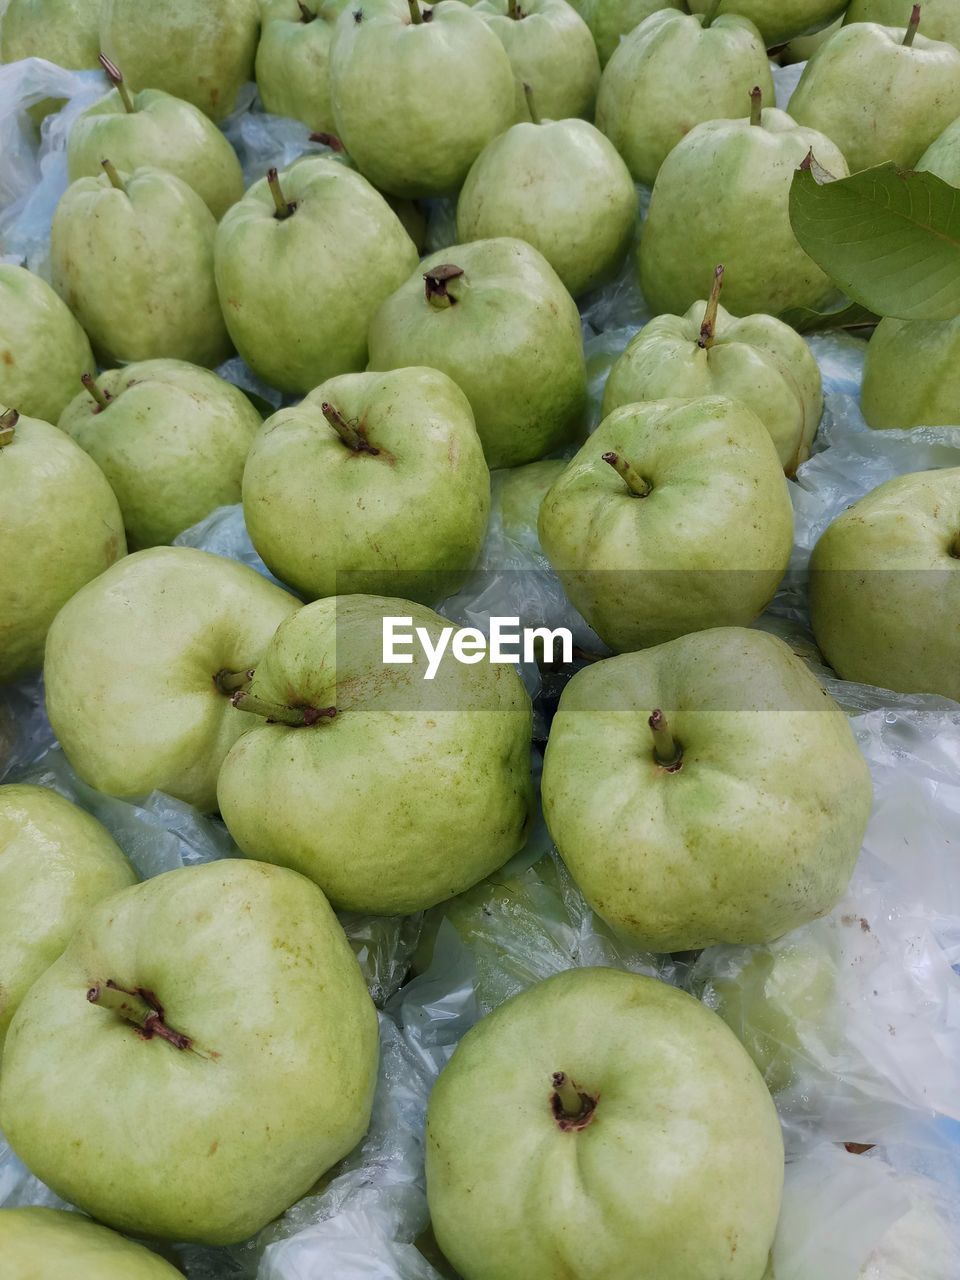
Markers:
531,103
710,16
139,1007
438,283
116,79
306,15
348,433
284,208
634,481
514,11
415,14
102,398
8,426
708,330
277,713
231,681
110,171
756,105
666,750
571,1103
328,140
913,27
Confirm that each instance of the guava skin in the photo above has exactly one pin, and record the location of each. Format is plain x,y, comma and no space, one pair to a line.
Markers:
754,832
878,99
200,50
163,133
293,61
407,519
942,157
65,32
889,560
521,185
427,784
298,293
135,266
56,862
43,350
53,1242
757,360
172,441
706,547
676,1174
397,136
511,340
142,645
550,49
250,966
722,196
671,73
939,19
60,526
609,20
780,20
911,377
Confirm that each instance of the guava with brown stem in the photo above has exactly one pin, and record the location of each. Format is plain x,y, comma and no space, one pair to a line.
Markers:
208,1029
450,798
520,185
757,360
152,128
303,261
293,60
200,50
705,790
132,256
673,517
171,438
164,639
882,94
43,350
494,316
672,72
551,49
375,483
418,56
941,18
60,526
696,220
551,1152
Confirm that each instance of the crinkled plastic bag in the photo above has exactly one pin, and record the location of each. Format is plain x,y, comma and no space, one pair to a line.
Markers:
33,170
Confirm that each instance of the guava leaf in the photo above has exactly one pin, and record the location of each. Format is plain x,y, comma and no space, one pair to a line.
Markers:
845,315
890,240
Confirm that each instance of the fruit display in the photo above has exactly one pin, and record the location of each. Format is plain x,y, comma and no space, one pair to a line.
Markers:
479,639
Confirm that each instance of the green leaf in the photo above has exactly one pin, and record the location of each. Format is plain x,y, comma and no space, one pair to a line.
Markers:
889,240
845,315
